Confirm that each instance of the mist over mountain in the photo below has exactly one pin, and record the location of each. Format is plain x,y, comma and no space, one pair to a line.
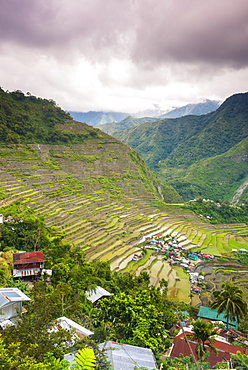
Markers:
126,123
196,109
103,120
95,118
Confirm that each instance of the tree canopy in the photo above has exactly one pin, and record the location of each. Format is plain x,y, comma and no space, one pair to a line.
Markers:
230,300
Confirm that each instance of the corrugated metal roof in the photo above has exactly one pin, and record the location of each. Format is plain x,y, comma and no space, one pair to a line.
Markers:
69,324
8,295
3,300
97,293
212,314
125,357
5,323
28,257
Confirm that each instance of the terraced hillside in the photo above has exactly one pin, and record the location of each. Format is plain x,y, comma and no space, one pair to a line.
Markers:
103,202
98,192
192,234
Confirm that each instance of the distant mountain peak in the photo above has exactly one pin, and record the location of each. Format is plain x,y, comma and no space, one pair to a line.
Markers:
196,109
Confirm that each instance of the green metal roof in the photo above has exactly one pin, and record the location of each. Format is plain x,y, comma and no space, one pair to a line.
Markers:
212,314
193,257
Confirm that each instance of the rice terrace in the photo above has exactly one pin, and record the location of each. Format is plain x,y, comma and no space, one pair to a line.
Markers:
100,195
112,222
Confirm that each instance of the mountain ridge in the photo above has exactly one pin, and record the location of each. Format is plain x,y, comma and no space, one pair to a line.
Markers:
181,142
115,121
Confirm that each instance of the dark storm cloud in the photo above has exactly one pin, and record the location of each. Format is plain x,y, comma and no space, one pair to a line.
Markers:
147,31
76,24
193,31
124,50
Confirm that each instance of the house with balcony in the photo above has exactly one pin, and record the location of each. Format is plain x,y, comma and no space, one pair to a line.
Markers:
28,265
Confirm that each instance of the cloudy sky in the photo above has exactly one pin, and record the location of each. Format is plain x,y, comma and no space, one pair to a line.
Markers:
124,55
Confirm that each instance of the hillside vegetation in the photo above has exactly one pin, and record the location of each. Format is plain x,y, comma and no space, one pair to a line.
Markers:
97,192
126,123
176,149
85,182
216,177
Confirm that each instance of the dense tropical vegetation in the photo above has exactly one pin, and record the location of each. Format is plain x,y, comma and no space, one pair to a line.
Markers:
26,119
203,333
137,313
219,212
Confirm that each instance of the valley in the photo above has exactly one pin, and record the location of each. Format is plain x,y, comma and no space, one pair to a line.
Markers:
198,155
109,219
99,194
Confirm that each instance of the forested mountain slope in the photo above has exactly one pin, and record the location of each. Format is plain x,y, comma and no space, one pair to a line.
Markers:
217,177
155,141
126,123
225,128
171,146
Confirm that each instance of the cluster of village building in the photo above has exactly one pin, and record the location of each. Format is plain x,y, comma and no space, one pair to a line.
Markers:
29,266
8,219
228,339
177,255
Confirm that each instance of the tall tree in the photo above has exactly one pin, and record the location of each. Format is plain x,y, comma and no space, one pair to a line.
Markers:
34,329
203,333
230,300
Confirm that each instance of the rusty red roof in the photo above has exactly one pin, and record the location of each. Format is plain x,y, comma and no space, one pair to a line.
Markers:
224,349
28,257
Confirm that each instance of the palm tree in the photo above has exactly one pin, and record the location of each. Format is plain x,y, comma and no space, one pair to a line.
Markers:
203,333
230,300
240,359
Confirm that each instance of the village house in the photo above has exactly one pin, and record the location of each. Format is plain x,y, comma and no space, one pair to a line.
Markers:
28,265
210,314
224,349
97,293
70,325
125,356
79,332
10,304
